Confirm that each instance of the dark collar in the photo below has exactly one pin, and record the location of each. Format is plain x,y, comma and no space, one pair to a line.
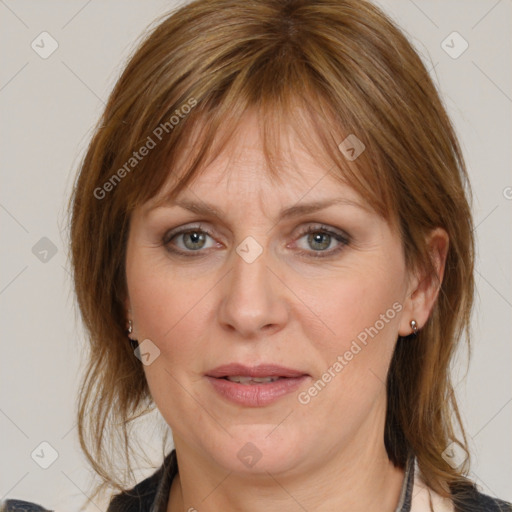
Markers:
169,471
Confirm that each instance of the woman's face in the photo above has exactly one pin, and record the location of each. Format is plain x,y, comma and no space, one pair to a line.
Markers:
249,293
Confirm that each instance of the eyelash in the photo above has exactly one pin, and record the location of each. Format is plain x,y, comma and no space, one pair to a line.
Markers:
343,240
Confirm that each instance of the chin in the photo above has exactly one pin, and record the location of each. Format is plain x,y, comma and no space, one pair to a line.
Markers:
258,449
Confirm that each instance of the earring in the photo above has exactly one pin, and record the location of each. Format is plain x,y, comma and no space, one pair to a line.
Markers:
414,327
133,343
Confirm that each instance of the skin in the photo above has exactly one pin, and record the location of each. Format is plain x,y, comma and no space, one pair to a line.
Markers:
286,308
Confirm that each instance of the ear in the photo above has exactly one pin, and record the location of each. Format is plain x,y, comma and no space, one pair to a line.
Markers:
424,286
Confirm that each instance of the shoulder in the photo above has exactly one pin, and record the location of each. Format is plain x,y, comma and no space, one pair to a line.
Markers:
150,494
465,497
21,506
470,499
139,498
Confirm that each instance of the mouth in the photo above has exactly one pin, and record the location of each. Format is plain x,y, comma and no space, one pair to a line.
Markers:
254,386
251,380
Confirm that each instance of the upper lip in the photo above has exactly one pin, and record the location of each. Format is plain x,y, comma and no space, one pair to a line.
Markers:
261,370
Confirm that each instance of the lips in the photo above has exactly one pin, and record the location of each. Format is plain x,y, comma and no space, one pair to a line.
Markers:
254,386
262,370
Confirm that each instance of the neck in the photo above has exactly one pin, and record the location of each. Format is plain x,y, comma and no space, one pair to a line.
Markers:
357,478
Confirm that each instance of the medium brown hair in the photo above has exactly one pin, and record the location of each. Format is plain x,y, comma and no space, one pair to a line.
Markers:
329,69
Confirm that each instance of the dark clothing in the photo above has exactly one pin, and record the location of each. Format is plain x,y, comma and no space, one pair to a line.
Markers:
152,495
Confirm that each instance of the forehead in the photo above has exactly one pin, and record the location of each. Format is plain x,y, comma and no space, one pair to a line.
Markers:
240,171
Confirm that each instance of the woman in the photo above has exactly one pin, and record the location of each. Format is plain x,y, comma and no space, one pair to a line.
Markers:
272,243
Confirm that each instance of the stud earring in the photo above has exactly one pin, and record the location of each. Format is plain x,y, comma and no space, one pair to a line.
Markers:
130,327
414,327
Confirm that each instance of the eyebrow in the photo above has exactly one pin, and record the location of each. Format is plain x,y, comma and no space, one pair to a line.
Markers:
203,208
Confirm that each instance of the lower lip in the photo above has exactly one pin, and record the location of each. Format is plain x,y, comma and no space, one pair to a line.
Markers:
256,395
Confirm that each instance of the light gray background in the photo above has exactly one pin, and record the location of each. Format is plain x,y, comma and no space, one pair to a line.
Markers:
49,107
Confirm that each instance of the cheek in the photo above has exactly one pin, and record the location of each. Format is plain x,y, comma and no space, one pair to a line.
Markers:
352,306
361,312
170,310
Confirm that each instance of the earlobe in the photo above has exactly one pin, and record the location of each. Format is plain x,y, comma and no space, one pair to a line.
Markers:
425,285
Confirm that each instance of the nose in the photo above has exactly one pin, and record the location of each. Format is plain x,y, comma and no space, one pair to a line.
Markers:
253,299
